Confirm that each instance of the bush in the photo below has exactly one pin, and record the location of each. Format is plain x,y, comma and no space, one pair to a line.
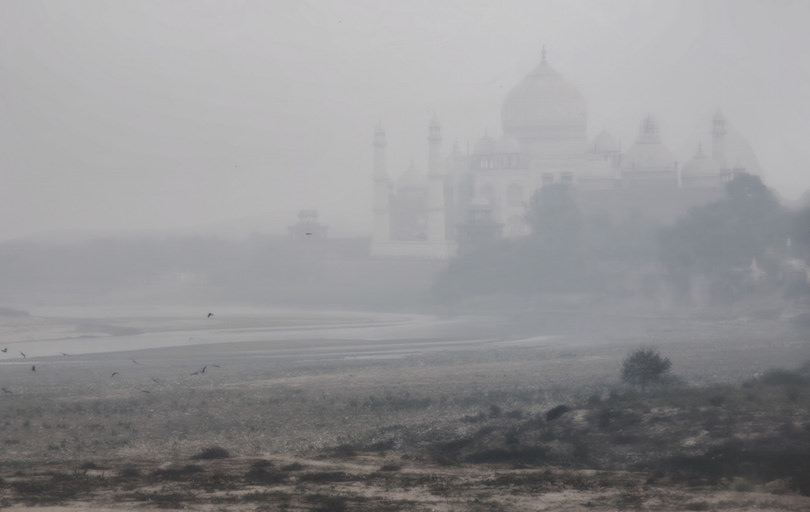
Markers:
129,472
263,473
214,452
329,503
645,366
783,378
556,412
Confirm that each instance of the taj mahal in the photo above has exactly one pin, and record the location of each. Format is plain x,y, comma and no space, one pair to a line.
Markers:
469,198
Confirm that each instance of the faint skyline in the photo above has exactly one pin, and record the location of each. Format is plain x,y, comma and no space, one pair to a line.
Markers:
170,114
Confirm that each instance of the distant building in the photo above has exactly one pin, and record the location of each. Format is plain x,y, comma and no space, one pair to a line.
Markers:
469,198
308,226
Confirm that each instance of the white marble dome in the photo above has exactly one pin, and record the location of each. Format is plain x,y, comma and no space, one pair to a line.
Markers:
545,105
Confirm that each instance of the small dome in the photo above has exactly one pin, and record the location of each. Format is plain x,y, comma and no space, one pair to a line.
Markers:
411,178
507,144
700,165
605,143
648,152
484,146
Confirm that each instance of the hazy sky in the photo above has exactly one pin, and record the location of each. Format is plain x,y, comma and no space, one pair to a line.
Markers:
158,113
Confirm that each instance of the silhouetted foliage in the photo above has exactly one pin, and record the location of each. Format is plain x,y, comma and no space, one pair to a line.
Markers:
728,233
645,366
631,240
800,228
554,217
548,260
556,412
213,452
263,473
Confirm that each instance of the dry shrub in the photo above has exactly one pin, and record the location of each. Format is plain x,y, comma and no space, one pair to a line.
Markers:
213,452
556,412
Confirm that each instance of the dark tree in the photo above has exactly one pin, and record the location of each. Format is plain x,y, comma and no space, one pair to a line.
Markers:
721,239
553,256
645,366
554,217
800,228
548,261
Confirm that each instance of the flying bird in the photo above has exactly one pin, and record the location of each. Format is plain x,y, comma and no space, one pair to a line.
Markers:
134,361
23,353
6,391
210,315
4,349
145,391
113,374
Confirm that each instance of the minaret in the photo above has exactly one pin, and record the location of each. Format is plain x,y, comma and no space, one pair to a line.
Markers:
719,139
382,189
436,228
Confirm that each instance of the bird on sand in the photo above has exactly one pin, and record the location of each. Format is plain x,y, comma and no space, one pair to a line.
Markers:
33,367
210,315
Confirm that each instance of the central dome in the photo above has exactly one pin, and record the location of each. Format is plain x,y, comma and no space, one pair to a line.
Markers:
544,105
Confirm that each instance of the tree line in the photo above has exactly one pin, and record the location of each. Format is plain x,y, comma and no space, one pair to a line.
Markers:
748,231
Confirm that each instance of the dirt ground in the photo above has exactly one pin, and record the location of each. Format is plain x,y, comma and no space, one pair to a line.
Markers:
345,411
